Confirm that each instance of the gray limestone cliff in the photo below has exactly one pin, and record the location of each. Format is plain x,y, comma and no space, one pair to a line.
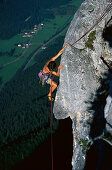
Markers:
85,85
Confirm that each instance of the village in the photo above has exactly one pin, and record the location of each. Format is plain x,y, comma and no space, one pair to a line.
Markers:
30,34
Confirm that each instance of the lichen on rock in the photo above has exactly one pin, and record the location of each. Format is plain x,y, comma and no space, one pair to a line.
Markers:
83,92
91,38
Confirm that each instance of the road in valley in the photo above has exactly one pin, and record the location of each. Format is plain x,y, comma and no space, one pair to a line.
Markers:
31,56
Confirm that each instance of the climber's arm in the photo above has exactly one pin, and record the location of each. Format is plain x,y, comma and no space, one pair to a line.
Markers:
58,71
60,52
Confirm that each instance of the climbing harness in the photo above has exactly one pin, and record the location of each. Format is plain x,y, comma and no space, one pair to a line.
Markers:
97,21
44,78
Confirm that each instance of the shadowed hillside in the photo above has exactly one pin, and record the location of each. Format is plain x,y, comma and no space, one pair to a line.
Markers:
16,16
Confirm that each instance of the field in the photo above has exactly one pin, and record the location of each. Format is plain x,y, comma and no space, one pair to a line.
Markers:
12,57
24,107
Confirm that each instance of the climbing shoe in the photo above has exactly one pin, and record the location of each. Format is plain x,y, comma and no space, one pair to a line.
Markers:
49,97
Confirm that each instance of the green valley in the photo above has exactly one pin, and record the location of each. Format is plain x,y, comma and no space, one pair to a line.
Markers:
14,51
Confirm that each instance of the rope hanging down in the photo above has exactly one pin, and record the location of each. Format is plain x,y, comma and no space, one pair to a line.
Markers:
51,129
97,21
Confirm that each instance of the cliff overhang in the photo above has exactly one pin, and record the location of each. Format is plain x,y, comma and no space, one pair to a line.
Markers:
83,92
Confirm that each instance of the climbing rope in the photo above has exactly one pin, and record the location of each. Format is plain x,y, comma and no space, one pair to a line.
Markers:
51,128
102,15
97,21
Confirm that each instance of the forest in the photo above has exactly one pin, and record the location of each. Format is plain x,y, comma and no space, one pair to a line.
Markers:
25,110
24,105
14,14
9,54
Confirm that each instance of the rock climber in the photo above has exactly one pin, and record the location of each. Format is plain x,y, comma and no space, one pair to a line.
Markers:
49,69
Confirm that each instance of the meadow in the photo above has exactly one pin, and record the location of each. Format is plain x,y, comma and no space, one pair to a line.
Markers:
9,64
24,107
25,111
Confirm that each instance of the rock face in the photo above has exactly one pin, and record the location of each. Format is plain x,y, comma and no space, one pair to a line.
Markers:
83,92
108,111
